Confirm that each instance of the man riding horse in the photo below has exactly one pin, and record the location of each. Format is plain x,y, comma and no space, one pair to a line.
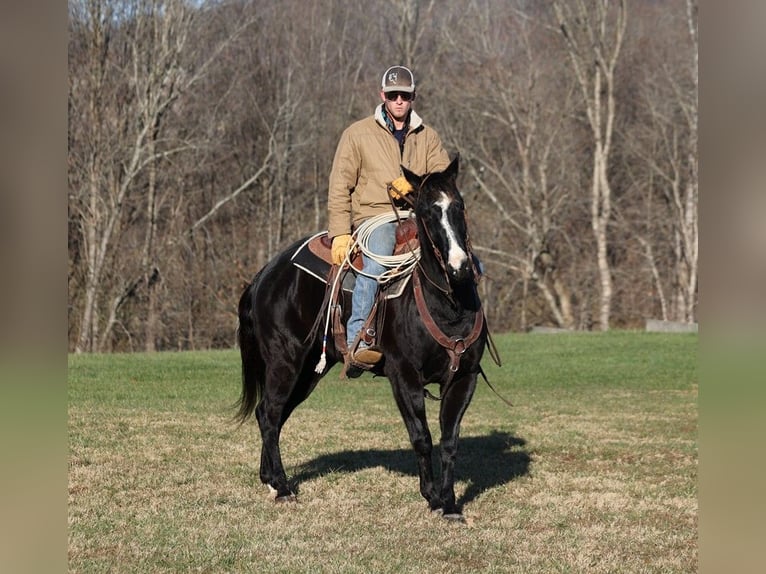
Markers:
366,168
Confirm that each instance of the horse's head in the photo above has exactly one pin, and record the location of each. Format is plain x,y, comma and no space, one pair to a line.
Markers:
441,215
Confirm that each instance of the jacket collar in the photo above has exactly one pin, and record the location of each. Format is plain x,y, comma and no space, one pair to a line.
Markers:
415,120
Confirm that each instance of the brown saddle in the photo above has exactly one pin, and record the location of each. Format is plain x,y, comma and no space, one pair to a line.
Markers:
321,246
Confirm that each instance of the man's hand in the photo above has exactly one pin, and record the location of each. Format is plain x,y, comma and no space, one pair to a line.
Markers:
399,187
340,245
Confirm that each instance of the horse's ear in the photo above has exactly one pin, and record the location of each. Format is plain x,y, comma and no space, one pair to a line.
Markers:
414,179
452,168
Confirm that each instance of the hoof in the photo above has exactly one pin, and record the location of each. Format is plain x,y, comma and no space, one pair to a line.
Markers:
287,498
451,516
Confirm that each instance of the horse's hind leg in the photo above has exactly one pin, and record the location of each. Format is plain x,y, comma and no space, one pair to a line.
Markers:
272,472
279,401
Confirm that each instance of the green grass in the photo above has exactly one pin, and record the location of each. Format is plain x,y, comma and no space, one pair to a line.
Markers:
594,469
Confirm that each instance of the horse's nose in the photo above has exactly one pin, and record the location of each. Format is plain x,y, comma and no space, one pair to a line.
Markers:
460,273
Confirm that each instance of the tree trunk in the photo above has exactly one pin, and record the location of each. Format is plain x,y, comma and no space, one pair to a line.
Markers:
593,43
600,213
151,274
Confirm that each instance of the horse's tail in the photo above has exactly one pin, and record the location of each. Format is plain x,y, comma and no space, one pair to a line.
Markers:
252,382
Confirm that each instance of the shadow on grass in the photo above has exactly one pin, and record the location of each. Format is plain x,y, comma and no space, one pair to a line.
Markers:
483,461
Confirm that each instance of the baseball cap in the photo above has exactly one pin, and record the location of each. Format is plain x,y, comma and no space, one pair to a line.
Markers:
398,79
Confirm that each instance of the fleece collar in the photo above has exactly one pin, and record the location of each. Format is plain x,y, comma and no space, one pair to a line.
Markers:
380,117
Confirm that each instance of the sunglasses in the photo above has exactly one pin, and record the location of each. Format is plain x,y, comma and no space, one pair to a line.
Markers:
393,96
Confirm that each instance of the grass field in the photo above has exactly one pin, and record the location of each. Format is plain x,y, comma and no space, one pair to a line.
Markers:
594,469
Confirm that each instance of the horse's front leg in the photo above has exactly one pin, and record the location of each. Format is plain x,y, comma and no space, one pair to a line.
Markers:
455,401
409,399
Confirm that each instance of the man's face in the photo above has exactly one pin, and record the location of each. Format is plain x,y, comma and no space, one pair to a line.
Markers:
398,104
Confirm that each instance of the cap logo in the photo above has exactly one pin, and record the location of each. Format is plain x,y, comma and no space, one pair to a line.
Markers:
392,77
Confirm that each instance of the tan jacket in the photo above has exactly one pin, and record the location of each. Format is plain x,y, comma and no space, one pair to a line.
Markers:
367,160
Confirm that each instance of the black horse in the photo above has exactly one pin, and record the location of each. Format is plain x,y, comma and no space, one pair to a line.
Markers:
433,333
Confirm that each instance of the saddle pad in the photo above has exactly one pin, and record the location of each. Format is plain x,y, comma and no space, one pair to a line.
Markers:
314,257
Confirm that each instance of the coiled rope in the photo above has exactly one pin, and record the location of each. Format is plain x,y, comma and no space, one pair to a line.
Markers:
396,265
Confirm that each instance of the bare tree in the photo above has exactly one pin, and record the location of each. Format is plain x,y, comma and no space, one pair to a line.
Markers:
411,17
687,206
133,63
516,142
665,143
153,34
594,31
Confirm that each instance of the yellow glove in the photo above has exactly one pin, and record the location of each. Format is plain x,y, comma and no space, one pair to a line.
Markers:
399,187
340,245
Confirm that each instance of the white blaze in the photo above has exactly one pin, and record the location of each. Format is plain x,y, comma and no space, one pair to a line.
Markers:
455,254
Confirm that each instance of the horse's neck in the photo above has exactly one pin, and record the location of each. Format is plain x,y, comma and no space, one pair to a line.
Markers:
446,301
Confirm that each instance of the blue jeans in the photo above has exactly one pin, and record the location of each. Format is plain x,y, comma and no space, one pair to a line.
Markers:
381,242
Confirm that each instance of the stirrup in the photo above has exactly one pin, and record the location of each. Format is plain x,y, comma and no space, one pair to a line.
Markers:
358,359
